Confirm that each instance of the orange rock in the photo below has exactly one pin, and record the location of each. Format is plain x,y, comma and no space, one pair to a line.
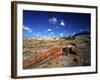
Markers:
43,55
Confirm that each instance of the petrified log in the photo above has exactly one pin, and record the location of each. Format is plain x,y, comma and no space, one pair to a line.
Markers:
54,52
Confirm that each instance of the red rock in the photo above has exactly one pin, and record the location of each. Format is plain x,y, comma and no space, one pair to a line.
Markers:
54,52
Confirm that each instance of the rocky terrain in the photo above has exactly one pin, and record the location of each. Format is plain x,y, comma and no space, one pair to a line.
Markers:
56,53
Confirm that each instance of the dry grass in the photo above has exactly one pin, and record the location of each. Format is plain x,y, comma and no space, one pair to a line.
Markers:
32,47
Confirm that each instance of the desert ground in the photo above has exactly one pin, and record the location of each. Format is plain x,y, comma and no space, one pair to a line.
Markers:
56,53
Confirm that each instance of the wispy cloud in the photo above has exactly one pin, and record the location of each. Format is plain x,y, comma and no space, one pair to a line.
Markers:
61,34
25,28
73,33
53,20
52,32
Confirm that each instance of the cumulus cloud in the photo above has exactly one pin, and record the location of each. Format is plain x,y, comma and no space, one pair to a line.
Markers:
62,23
56,22
49,29
53,20
25,28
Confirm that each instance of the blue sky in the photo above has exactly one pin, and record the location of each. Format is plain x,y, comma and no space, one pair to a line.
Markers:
54,24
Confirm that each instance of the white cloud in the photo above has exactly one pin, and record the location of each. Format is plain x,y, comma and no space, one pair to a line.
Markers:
38,34
52,33
53,20
49,29
61,34
25,28
62,23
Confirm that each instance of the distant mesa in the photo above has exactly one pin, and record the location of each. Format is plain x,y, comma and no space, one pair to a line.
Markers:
81,35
